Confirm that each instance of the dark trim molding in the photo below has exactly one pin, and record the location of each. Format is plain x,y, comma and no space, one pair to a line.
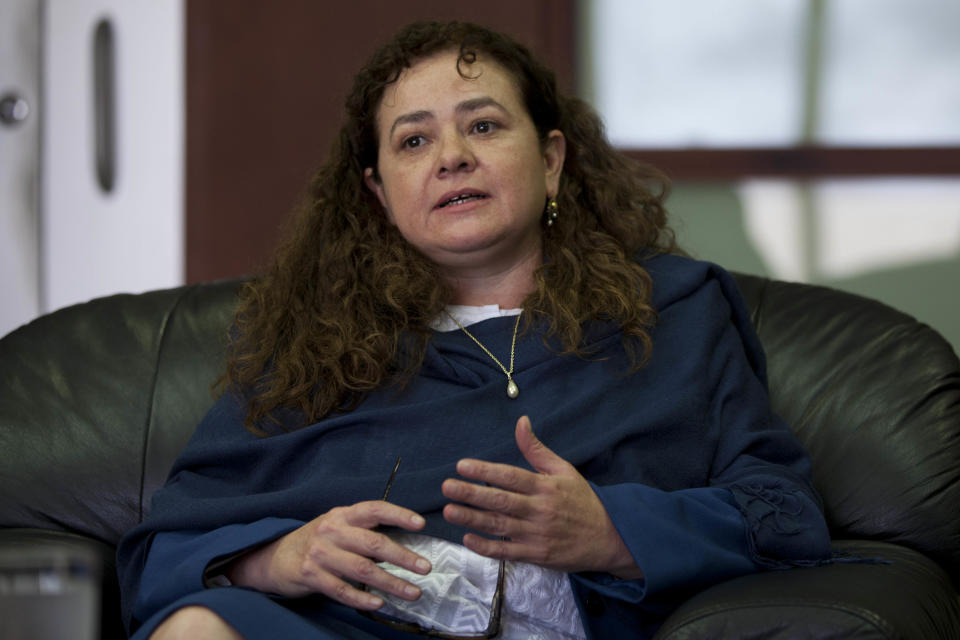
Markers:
801,162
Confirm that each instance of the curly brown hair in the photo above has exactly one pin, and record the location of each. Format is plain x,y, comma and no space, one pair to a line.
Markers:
325,323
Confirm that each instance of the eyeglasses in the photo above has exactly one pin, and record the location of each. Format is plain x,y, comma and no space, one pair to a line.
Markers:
493,625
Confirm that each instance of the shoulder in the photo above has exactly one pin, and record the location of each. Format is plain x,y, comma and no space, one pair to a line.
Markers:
676,278
694,295
221,431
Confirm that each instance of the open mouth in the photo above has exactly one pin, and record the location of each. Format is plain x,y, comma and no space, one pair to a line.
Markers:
460,199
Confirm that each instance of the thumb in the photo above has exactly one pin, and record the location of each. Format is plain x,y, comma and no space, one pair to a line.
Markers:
539,455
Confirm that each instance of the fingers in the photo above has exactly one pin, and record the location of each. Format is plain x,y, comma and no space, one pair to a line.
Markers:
358,538
339,548
373,513
345,593
490,522
377,547
485,547
358,569
539,455
488,498
551,516
507,549
512,497
511,478
505,476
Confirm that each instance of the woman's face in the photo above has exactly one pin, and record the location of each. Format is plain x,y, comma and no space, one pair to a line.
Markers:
463,174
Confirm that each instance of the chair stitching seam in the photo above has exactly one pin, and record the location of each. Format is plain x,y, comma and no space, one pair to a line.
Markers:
761,303
153,390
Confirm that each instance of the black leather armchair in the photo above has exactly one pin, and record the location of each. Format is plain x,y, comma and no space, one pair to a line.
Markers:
97,399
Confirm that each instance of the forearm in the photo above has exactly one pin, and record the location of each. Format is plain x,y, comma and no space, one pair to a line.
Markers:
177,562
621,564
251,568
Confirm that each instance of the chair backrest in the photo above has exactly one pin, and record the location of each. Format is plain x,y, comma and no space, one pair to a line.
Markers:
874,395
97,399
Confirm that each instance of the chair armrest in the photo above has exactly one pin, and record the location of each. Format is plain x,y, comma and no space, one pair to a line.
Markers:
907,597
45,573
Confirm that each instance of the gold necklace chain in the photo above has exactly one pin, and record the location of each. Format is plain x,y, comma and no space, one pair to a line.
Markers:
512,389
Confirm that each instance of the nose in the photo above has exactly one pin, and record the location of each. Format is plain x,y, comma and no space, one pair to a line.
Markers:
455,155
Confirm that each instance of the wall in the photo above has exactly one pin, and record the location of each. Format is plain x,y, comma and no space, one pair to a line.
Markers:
266,83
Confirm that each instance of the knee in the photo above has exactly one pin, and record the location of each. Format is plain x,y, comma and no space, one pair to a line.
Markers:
194,622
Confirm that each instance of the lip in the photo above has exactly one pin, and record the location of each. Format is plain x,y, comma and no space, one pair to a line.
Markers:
460,192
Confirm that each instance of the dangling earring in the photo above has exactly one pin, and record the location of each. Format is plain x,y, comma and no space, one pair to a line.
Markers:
553,212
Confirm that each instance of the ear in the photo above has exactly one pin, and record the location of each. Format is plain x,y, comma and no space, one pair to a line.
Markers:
554,153
377,187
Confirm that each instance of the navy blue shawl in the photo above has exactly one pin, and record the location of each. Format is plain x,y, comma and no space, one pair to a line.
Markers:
702,481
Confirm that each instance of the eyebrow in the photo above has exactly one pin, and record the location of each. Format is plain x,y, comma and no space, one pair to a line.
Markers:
467,106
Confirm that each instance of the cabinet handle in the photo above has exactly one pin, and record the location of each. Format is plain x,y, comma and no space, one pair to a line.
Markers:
104,107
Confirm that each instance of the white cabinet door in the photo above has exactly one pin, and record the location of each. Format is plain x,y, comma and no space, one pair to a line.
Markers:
19,162
112,158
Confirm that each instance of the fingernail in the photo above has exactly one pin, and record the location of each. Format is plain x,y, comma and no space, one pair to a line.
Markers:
417,520
374,601
411,591
465,467
423,565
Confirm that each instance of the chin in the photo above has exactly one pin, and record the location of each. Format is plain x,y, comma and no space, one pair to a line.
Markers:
466,243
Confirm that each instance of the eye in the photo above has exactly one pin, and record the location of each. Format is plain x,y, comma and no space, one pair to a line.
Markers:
484,126
412,142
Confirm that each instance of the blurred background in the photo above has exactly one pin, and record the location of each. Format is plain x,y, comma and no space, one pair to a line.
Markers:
151,143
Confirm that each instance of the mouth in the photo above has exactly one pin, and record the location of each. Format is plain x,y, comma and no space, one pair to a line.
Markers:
460,198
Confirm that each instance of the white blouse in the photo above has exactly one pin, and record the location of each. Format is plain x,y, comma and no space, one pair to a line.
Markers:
457,594
468,315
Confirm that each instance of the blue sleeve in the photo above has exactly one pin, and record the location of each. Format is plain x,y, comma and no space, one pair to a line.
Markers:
759,510
690,539
207,511
177,560
681,539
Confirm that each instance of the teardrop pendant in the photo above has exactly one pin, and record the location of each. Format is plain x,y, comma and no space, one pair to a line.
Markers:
512,389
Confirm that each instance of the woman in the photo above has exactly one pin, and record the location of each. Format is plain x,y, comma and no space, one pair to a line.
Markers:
474,260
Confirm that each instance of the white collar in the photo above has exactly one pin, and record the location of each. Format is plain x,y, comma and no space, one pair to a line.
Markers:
469,314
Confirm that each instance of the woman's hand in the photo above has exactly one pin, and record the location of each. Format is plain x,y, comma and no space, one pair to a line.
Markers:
552,518
319,557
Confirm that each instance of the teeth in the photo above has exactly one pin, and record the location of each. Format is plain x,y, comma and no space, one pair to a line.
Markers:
460,199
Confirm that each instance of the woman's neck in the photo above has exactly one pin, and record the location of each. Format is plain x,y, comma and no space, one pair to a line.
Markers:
507,288
479,294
